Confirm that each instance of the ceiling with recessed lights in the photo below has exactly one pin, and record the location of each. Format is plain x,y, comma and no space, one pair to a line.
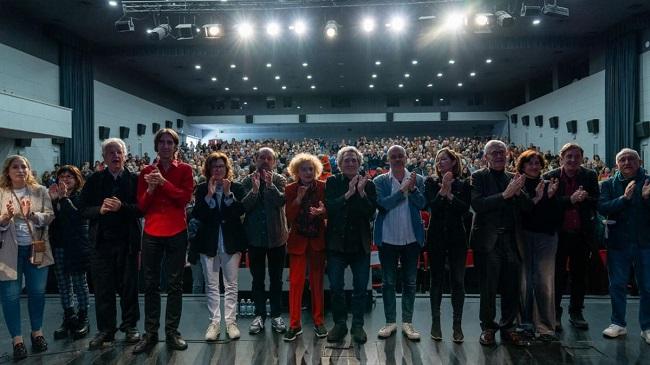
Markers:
316,47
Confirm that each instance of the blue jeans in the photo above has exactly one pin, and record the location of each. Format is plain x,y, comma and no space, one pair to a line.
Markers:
618,267
198,281
407,256
35,281
360,266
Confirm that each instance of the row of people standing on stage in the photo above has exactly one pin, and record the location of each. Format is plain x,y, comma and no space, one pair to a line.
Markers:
525,229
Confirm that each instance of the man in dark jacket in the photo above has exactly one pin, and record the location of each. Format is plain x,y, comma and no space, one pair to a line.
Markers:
625,200
496,239
351,203
108,201
577,195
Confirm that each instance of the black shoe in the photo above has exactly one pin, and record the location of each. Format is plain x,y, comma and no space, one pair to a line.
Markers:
175,342
100,340
146,344
292,334
458,336
81,327
337,333
358,334
39,344
20,351
320,331
67,326
578,321
131,335
436,331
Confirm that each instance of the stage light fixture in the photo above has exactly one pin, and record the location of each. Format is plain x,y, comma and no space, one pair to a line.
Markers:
125,25
268,65
160,32
551,8
185,31
397,24
406,76
212,31
429,85
226,88
284,87
483,23
214,79
460,84
504,19
481,20
299,27
197,67
233,66
530,10
400,85
331,29
536,21
489,60
414,62
309,77
368,25
451,62
112,3
312,87
472,74
439,74
245,30
245,78
377,63
454,22
305,64
277,77
374,76
273,29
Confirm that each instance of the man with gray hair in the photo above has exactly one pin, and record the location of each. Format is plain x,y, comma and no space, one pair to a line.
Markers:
625,200
108,201
497,196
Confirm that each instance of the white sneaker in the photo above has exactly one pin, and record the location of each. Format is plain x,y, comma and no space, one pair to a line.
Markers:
387,330
410,332
212,333
646,336
614,331
233,331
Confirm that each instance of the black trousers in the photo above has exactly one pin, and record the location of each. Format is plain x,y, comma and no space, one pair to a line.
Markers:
574,248
499,272
168,251
258,260
115,271
455,252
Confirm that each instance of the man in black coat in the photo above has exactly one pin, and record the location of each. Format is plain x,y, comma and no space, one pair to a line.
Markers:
108,201
578,198
496,239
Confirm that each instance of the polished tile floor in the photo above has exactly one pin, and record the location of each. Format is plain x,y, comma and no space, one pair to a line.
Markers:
574,347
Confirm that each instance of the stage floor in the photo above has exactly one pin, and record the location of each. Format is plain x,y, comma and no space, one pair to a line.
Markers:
575,347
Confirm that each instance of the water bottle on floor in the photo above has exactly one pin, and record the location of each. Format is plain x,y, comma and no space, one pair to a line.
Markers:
250,308
242,308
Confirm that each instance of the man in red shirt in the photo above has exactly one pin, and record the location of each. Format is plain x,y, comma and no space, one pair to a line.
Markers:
164,189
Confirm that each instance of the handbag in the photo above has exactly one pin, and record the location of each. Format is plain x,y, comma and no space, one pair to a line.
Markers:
38,245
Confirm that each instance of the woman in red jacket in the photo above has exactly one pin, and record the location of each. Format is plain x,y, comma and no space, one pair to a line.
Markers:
306,215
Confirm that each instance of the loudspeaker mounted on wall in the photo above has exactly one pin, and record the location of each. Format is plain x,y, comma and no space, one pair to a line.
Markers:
642,129
444,116
302,118
572,126
23,142
179,123
554,122
249,119
155,127
525,120
592,126
539,120
124,132
390,117
142,129
513,118
58,140
104,132
169,124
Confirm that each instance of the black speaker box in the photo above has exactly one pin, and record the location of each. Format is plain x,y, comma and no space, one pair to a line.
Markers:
104,132
513,118
525,120
169,124
58,140
249,119
142,129
179,123
155,127
23,142
444,116
592,126
554,122
390,117
124,132
572,126
642,129
539,120
302,118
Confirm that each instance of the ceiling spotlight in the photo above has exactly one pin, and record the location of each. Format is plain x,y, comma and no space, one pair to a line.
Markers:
551,8
374,76
429,85
378,63
197,67
273,29
254,88
213,79
233,66
284,87
407,75
305,64
396,24
112,3
371,86
125,25
226,88
309,77
312,87
460,84
277,77
439,74
472,74
536,22
454,21
244,29
414,62
481,20
400,85
331,29
368,25
268,65
185,31
212,31
489,60
245,103
504,19
300,27
442,99
530,10
245,78
160,32
451,62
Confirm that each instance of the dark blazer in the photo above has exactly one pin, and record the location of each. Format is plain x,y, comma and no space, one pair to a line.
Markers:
70,231
226,219
588,179
447,217
341,211
297,243
486,200
92,199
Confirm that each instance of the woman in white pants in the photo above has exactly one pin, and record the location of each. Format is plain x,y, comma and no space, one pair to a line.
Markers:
220,240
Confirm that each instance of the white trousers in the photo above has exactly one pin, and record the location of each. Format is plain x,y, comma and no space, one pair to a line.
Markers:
229,266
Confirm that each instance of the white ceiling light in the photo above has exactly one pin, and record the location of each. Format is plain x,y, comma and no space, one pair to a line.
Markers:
245,30
268,65
368,25
112,3
309,77
226,88
536,22
429,85
284,87
245,78
472,74
197,67
300,27
481,20
454,21
305,64
451,62
407,75
460,84
331,29
255,88
371,86
374,76
312,87
439,74
400,85
212,30
396,24
233,65
214,79
489,60
378,63
414,62
273,29
277,77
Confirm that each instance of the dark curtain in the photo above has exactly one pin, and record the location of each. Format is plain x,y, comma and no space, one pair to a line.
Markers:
77,93
621,93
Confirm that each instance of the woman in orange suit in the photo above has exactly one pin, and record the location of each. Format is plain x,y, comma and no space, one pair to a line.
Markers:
306,216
